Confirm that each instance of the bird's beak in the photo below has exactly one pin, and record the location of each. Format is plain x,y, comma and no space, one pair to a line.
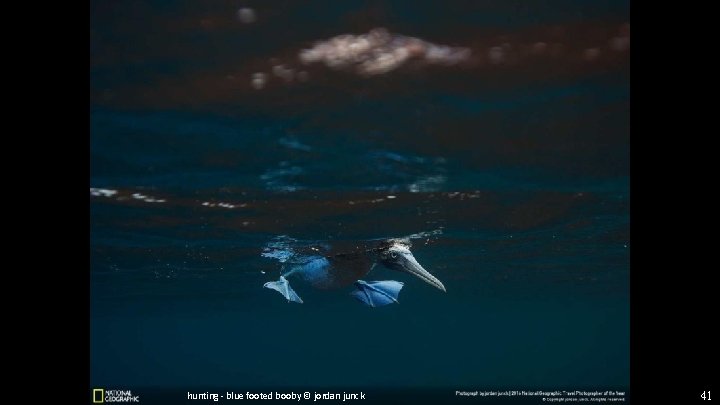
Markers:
410,265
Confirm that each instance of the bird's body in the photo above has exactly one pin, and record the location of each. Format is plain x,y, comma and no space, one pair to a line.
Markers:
335,267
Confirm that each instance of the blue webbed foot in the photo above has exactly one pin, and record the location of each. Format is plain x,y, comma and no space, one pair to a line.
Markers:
283,287
377,293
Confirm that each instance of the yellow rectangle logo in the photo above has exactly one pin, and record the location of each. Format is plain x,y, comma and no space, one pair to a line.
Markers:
98,395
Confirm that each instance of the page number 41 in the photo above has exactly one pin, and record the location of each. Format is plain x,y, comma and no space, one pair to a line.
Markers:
705,395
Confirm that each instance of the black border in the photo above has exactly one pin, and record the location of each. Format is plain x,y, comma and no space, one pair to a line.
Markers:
672,337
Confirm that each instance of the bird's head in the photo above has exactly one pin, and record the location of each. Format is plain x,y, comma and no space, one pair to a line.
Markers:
395,254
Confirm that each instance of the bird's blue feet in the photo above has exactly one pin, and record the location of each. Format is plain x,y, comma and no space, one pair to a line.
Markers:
377,293
283,287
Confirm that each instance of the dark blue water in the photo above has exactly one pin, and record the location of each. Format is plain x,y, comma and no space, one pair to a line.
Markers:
518,174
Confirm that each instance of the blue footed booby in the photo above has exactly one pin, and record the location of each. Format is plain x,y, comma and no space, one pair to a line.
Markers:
324,267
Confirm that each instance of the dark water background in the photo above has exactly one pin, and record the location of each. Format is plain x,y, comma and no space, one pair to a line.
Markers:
522,170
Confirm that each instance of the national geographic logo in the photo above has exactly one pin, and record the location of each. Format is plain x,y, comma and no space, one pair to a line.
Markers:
101,395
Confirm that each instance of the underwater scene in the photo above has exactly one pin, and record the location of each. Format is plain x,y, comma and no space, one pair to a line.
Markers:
345,195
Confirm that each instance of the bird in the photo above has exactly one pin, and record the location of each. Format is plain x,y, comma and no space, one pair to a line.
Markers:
326,267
